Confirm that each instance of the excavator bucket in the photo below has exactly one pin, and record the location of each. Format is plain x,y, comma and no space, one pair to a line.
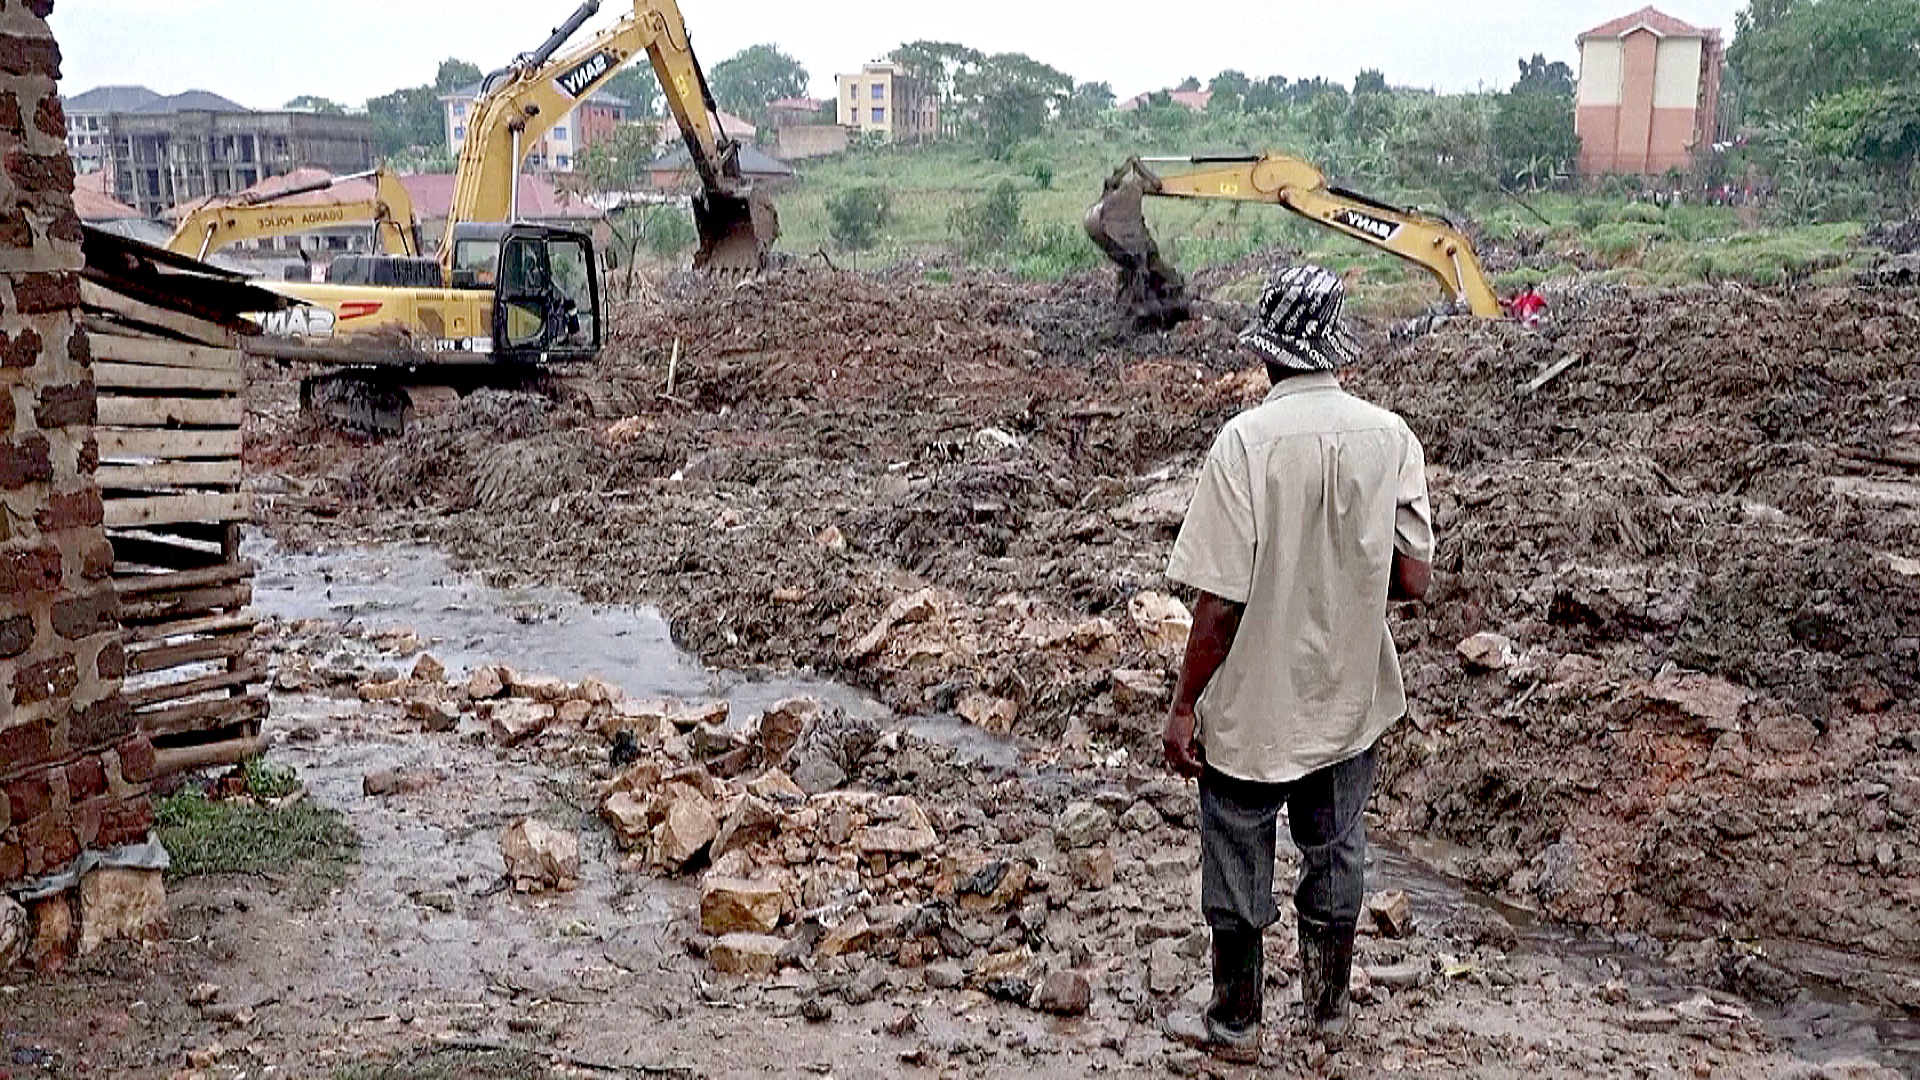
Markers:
736,231
1152,292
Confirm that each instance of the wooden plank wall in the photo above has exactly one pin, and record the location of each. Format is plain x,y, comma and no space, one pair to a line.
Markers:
170,410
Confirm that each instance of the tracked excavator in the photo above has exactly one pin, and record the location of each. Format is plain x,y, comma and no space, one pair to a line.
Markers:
215,225
1154,294
504,303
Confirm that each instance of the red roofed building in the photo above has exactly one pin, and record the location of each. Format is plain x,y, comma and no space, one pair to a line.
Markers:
1649,93
1193,99
93,204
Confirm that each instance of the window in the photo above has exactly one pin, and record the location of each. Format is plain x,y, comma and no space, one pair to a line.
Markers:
879,116
853,91
459,108
560,133
459,132
562,162
879,91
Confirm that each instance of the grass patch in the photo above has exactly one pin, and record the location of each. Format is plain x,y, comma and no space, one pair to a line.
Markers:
234,837
447,1063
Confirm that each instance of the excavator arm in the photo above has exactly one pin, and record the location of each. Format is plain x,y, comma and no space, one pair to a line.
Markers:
522,102
209,228
1117,224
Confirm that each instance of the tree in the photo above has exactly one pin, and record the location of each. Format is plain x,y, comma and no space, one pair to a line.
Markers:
1088,101
1370,81
1266,95
1371,111
616,162
990,225
744,82
317,104
935,66
856,215
1009,97
1539,77
1533,134
1789,53
1187,84
638,86
455,74
406,119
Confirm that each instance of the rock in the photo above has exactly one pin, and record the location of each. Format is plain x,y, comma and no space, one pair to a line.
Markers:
776,786
121,904
1486,651
428,669
733,906
1141,817
1166,972
384,689
16,932
1064,993
995,715
1391,912
1134,688
52,933
486,682
831,539
995,886
1163,623
514,722
574,712
539,856
597,691
686,827
203,994
746,954
945,975
1080,825
1698,699
433,714
816,1010
817,774
781,727
1785,734
544,689
627,814
914,608
907,830
711,714
1092,868
751,821
1398,977
854,934
383,782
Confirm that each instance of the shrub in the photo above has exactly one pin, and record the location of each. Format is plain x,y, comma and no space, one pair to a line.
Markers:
989,225
855,216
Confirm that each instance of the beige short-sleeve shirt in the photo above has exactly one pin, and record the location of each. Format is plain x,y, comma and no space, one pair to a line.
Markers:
1300,506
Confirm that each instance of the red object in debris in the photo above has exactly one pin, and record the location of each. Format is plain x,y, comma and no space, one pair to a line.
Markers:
1529,307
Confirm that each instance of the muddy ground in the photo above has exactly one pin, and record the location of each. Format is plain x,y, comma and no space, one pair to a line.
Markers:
1698,735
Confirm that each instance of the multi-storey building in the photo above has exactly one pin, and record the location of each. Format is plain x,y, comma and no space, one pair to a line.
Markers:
1649,93
590,121
884,100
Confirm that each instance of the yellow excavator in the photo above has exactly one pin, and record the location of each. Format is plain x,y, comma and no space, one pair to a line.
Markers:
1153,292
502,300
215,225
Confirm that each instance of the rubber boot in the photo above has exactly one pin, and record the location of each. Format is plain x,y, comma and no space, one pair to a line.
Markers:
1326,966
1230,1027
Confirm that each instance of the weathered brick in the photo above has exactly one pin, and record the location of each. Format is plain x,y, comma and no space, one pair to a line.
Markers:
53,677
65,226
13,859
136,759
50,118
50,843
16,230
74,510
25,744
80,349
85,818
100,724
16,636
84,616
112,662
40,172
65,406
125,822
11,122
26,573
38,294
30,796
22,351
86,779
29,55
28,461
96,554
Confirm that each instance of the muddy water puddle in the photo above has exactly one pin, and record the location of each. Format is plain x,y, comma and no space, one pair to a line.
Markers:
448,861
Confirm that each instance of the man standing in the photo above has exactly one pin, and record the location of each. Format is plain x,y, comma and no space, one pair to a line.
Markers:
1310,515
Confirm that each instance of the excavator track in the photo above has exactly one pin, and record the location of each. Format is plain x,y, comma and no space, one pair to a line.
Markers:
362,401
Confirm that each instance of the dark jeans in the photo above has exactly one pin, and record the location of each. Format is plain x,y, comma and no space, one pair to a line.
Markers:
1237,836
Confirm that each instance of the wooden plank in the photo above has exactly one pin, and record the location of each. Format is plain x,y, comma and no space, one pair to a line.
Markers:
147,584
182,604
170,760
201,715
99,298
167,445
169,474
171,412
147,661
169,509
164,552
205,684
156,352
210,624
143,377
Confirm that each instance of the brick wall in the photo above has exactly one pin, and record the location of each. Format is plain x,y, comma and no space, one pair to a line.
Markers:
72,768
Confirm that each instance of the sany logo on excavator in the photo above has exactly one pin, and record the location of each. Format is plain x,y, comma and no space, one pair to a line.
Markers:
575,80
1377,228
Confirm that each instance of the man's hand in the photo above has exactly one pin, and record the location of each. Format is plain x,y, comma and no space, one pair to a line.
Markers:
1184,755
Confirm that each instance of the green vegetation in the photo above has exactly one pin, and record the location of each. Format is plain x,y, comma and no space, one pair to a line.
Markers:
856,215
205,836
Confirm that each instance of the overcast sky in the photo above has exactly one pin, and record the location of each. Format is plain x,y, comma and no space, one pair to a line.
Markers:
263,52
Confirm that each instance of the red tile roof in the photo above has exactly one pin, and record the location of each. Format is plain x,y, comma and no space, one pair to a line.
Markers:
433,197
1192,99
1657,21
93,204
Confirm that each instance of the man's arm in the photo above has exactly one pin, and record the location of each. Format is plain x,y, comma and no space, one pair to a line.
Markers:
1411,577
1215,623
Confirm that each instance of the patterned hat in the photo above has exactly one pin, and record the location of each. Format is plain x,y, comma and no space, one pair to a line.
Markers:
1298,325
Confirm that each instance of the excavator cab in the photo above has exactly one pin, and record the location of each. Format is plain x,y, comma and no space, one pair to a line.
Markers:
546,303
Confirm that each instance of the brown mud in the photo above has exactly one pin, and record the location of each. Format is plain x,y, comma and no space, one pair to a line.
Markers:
1698,537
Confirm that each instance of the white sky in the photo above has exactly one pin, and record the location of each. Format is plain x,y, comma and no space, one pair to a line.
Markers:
263,52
